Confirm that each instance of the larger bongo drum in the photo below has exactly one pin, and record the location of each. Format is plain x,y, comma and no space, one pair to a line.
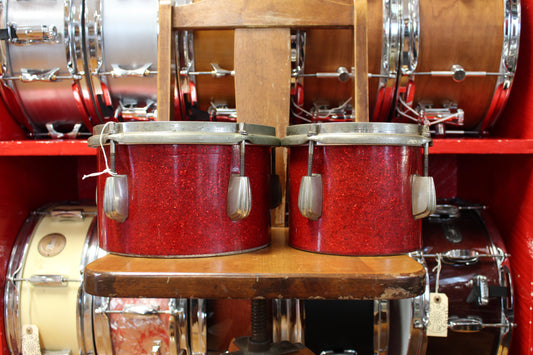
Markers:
43,282
475,275
43,81
355,188
465,63
184,188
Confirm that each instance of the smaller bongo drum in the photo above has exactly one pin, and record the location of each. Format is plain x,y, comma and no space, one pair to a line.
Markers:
184,188
358,188
476,277
45,305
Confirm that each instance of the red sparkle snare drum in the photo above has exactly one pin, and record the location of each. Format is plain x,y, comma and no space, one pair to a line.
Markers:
475,275
184,188
463,64
356,188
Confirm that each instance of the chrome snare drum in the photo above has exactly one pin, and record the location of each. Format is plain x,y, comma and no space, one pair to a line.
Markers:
43,283
43,80
121,44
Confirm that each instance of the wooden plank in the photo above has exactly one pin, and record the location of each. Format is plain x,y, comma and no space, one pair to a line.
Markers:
361,61
278,271
209,14
262,87
164,57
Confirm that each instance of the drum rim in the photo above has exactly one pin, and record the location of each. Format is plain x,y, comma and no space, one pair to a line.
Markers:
358,133
184,132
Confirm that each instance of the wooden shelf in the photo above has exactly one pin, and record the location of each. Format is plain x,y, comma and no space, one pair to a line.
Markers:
46,148
278,271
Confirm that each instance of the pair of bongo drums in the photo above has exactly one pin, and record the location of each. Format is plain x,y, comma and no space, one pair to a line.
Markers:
184,189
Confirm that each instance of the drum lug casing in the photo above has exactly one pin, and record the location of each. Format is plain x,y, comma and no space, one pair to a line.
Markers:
116,197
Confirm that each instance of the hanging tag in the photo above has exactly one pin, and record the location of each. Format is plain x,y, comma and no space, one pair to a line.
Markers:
438,315
30,340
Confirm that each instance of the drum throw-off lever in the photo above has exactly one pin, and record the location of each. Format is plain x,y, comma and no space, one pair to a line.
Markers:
115,192
239,191
424,196
310,194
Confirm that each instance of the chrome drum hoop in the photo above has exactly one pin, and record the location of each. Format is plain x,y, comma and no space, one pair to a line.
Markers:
511,42
410,34
508,62
391,41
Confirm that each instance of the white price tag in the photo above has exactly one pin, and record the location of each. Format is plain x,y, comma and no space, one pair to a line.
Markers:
30,340
438,315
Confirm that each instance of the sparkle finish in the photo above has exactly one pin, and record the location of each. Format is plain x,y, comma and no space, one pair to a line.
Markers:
135,334
178,197
366,200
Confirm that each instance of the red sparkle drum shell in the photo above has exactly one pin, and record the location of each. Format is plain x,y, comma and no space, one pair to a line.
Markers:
178,195
366,197
479,234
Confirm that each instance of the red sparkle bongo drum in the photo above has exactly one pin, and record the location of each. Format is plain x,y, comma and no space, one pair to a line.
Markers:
357,188
465,55
184,188
475,275
45,305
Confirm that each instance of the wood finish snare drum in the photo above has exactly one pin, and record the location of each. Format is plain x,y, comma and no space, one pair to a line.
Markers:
323,60
475,275
45,305
184,188
357,188
466,56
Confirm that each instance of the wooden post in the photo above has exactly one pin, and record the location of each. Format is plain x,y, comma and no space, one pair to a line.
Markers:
164,58
360,61
262,86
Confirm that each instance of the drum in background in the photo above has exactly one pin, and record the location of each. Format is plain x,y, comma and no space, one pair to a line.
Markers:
475,275
149,326
323,61
184,188
43,283
465,64
121,48
43,81
357,188
206,75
